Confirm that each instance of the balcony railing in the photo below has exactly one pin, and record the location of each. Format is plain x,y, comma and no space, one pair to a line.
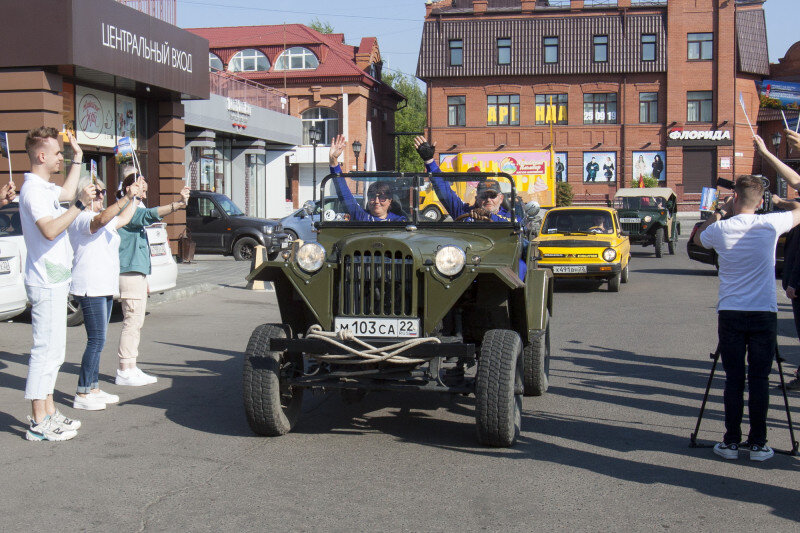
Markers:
165,10
226,84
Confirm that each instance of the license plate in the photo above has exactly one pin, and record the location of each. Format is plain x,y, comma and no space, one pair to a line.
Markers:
629,220
379,327
285,243
5,267
569,270
157,249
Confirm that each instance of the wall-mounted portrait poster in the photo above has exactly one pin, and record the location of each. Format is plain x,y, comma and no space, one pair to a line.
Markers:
560,165
649,165
599,167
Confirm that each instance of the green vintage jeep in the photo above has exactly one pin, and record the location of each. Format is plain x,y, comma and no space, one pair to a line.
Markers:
407,304
649,216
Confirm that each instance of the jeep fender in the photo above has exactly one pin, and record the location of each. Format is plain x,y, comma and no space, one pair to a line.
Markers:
538,299
246,232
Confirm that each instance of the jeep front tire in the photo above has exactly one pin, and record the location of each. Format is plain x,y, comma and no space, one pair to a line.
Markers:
271,405
659,241
499,388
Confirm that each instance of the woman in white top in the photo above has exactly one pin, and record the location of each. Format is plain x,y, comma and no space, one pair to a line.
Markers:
95,281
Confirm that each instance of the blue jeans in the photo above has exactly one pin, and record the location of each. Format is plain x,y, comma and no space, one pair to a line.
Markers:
753,333
49,321
96,315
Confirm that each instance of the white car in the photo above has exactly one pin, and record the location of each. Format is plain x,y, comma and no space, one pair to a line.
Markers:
13,299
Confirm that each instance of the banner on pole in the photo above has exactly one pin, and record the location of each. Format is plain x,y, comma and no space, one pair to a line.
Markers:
4,145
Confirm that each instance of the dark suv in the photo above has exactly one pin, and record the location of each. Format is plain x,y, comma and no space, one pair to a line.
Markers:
217,225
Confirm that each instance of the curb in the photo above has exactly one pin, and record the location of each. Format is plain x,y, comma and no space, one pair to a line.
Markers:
173,295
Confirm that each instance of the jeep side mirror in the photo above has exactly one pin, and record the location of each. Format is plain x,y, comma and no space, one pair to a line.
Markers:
215,213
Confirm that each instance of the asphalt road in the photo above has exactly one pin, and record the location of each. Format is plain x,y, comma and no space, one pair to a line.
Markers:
606,448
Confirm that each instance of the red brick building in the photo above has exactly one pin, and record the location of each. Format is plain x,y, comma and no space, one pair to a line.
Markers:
629,80
330,85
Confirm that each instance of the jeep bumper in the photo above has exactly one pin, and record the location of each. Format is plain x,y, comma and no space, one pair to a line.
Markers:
584,271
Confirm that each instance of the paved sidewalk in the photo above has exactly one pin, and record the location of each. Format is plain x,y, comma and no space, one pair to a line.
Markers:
206,273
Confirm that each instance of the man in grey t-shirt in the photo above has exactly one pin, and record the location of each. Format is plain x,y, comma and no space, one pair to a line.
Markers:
747,307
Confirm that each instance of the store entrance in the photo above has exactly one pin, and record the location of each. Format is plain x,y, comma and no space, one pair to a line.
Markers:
699,169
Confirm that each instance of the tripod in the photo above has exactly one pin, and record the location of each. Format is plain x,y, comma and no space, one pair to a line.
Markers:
715,357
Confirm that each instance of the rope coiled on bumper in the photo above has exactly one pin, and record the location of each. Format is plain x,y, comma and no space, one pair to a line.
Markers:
370,354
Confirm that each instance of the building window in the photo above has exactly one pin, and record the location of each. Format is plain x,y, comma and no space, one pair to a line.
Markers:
504,51
648,108
700,46
456,110
550,49
648,47
456,53
699,106
214,62
249,60
551,108
600,108
323,118
502,110
600,48
297,58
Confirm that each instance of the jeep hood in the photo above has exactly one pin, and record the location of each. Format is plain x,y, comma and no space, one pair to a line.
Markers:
422,243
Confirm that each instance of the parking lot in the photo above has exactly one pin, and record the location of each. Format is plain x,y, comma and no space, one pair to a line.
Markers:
607,447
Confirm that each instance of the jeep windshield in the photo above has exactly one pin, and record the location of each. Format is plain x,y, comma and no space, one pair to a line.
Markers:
227,205
395,198
578,222
640,202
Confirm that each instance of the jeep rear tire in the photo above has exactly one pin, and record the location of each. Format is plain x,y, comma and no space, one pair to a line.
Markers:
613,283
659,241
244,249
499,388
272,407
671,246
536,364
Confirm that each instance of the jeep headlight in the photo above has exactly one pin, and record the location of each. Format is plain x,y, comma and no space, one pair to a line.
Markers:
648,218
268,230
310,257
450,260
609,254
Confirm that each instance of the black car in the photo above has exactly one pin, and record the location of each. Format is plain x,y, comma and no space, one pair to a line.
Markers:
217,225
709,256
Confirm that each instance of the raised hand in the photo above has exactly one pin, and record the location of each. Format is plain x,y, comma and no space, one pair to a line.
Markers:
793,139
76,148
135,189
88,194
185,196
425,150
760,145
338,145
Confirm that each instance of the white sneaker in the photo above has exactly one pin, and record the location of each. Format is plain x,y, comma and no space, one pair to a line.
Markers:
88,402
134,377
104,396
48,429
64,422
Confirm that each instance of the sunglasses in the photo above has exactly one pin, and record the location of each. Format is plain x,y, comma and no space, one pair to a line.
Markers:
100,192
491,195
382,197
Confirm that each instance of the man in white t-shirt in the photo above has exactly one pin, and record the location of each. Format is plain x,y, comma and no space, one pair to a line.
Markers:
48,273
747,307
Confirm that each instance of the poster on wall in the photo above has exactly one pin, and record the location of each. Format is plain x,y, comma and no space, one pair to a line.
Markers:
95,117
648,165
561,166
126,118
599,167
206,173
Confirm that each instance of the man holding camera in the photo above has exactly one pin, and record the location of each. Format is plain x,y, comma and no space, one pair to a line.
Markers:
747,307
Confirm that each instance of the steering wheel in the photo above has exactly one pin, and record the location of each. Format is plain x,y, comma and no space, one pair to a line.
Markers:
478,214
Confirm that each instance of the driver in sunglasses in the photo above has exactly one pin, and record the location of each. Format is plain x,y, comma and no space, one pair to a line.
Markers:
488,200
379,194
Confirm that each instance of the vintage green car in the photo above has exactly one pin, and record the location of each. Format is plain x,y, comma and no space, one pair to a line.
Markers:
404,304
649,216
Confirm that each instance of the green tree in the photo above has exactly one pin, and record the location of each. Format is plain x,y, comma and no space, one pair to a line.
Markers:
413,117
322,27
564,194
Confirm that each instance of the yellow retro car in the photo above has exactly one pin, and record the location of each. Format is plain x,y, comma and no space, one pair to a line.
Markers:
585,242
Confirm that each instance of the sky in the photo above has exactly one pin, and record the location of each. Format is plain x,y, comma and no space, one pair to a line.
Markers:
398,23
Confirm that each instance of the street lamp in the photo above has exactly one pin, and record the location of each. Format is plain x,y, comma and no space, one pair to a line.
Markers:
776,141
315,136
357,151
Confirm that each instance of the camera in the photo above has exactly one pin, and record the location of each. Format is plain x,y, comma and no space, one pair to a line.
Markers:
766,205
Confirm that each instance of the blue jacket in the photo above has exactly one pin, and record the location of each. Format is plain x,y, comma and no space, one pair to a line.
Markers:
454,205
356,211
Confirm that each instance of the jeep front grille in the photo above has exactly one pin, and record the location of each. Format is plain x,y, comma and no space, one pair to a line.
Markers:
631,227
377,283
